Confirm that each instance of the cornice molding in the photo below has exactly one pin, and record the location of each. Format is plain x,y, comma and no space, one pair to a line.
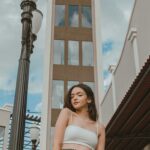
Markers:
132,34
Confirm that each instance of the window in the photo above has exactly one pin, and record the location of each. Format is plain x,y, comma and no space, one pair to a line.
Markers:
91,85
57,94
2,131
72,83
52,137
73,52
60,15
73,16
86,17
58,52
87,50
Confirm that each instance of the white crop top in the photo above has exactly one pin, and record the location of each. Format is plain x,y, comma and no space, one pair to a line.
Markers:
78,135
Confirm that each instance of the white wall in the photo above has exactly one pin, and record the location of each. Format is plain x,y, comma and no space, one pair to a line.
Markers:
4,122
125,72
106,111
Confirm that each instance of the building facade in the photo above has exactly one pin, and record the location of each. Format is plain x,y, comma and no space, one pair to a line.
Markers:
72,56
5,113
134,55
125,106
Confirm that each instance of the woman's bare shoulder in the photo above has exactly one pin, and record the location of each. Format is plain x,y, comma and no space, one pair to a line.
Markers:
64,116
101,125
65,112
101,128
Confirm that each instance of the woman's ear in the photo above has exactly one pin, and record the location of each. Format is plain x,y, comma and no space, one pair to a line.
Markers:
89,101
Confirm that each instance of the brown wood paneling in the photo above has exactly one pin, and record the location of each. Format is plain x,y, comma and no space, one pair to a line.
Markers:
64,33
77,73
73,2
55,113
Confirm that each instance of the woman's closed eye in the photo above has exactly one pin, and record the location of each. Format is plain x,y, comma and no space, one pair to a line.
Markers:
78,95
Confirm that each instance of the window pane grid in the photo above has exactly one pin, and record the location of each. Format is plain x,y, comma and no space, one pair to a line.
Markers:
57,94
91,85
2,132
73,52
87,53
86,16
72,83
73,15
58,52
59,15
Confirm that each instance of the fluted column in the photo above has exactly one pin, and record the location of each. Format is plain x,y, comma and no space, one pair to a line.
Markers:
19,110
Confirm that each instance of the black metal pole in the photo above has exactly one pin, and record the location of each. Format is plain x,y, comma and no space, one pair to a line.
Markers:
33,144
20,102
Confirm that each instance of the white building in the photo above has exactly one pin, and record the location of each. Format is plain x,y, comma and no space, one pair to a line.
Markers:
73,55
5,113
65,65
125,106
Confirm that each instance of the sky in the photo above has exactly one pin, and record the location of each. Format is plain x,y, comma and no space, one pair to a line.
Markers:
115,16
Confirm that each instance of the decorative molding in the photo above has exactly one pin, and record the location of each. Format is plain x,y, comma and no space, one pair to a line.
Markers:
112,68
132,34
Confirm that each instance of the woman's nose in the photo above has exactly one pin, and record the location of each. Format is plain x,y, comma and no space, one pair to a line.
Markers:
75,97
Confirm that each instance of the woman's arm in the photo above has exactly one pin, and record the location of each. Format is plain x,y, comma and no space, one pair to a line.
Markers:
60,127
101,140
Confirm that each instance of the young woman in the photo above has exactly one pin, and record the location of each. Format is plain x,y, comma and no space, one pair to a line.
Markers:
77,127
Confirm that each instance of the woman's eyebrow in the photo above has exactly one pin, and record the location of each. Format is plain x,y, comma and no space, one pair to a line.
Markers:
76,93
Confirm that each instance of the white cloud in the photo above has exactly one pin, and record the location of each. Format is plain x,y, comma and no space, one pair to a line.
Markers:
6,83
10,46
74,19
38,107
115,18
35,84
107,81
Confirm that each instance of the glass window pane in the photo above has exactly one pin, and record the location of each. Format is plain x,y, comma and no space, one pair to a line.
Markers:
91,85
2,131
72,83
87,54
59,15
52,137
73,52
73,16
86,17
58,52
57,94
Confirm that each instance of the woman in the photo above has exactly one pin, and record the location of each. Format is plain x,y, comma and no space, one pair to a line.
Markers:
77,127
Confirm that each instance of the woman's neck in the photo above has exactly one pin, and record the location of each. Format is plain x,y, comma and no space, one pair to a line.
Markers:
83,113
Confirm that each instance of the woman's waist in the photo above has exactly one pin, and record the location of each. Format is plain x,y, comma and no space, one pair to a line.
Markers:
76,146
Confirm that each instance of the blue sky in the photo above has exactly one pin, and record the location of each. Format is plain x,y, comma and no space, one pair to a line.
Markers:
115,16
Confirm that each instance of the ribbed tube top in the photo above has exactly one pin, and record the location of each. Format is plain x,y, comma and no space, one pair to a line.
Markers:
78,135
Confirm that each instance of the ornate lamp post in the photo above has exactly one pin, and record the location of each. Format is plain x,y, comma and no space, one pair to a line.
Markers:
34,135
31,22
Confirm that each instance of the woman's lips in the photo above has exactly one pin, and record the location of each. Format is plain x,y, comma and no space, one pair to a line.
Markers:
75,103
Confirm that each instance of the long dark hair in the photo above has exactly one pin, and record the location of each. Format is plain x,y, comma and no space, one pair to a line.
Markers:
91,106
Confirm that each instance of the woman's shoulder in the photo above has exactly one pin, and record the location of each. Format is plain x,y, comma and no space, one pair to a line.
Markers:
64,115
66,112
101,127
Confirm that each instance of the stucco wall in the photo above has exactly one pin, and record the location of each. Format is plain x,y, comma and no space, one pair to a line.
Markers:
107,107
141,21
125,72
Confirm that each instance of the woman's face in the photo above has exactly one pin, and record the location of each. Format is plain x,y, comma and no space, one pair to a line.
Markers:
79,98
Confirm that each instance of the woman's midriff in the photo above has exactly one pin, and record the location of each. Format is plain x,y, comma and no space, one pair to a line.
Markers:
74,147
